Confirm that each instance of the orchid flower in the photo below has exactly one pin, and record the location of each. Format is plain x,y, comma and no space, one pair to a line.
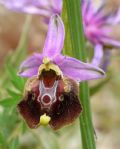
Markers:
98,28
51,92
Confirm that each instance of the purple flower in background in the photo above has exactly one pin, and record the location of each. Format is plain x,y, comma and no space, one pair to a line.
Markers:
98,28
106,60
51,92
97,25
40,7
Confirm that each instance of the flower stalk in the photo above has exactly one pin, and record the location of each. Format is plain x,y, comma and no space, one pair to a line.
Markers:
77,42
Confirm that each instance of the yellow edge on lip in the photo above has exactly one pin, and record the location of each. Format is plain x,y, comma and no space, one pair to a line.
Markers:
47,65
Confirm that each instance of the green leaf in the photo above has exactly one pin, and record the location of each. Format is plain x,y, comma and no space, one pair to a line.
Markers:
14,94
14,143
23,127
2,141
17,81
9,102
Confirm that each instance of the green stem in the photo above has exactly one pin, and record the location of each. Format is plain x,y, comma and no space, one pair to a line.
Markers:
75,28
67,42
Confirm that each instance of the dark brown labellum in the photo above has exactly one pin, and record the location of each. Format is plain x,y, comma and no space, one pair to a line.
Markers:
53,95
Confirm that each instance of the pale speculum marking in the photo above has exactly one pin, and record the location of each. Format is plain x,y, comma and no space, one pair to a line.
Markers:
46,99
47,95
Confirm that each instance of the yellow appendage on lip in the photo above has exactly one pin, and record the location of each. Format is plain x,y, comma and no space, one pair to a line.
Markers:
44,119
46,60
47,65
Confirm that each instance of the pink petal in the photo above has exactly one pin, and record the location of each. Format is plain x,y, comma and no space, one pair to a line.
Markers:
80,71
109,41
98,55
55,37
30,66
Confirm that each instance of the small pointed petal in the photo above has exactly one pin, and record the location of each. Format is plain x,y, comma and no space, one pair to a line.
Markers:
98,55
106,60
55,37
80,71
111,42
115,17
28,73
30,66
